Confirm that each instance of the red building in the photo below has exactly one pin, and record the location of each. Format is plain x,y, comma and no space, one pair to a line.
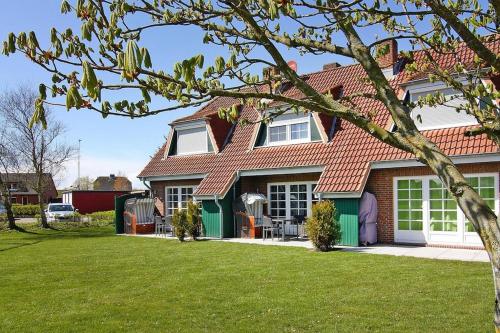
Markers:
92,201
21,186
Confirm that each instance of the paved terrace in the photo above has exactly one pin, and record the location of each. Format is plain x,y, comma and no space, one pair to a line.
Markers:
393,250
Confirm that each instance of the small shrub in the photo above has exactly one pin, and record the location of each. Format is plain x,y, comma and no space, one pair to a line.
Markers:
179,222
75,217
25,210
105,216
322,227
193,219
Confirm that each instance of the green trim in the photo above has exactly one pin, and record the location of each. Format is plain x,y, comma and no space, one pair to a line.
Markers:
211,217
261,136
347,215
315,135
172,150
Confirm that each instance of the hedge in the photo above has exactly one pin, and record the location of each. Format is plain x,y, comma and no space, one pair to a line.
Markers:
103,216
25,210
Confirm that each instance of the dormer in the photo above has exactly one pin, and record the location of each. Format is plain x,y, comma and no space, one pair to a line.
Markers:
288,128
190,138
439,116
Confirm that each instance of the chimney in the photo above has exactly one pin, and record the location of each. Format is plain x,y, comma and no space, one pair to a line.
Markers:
391,56
331,65
270,72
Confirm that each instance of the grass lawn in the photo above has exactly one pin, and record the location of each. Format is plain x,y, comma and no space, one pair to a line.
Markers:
91,280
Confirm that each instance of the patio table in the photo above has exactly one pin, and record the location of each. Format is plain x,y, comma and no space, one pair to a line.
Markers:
283,222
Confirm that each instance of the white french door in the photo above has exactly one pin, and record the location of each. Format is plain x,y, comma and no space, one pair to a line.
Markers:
287,200
177,197
424,212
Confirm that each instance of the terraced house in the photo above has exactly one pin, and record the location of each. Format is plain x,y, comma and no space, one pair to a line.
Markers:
298,159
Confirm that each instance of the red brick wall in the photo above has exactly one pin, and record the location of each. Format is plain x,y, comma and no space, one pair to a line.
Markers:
158,188
259,183
380,183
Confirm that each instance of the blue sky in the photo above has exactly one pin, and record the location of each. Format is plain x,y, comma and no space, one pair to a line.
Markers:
115,144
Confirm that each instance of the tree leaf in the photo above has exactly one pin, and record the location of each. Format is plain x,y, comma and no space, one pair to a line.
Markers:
145,95
42,89
65,7
146,57
89,80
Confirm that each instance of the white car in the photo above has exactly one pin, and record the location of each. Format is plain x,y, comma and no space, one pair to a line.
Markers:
58,211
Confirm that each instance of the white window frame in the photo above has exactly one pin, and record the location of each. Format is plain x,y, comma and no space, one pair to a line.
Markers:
445,237
194,125
431,88
310,195
288,123
179,196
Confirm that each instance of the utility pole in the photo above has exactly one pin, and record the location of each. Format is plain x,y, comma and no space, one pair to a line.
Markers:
79,145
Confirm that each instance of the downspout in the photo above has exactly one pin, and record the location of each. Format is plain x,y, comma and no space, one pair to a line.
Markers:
149,188
234,198
221,215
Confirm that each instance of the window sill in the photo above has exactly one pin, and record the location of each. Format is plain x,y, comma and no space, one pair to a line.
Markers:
192,154
286,144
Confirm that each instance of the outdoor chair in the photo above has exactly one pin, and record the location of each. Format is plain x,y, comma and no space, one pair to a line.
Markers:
169,226
300,220
268,226
160,226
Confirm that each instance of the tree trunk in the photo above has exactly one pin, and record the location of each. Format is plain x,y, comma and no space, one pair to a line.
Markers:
8,207
10,214
496,280
43,217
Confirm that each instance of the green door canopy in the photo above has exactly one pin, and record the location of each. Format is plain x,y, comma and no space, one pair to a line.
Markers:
347,214
211,217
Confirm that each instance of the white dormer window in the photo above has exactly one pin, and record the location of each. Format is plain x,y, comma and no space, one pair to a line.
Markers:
289,128
440,116
192,139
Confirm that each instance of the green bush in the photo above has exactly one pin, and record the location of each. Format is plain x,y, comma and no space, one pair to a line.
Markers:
193,219
322,227
106,216
25,210
179,222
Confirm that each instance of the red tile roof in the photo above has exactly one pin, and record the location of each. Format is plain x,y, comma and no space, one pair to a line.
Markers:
346,157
